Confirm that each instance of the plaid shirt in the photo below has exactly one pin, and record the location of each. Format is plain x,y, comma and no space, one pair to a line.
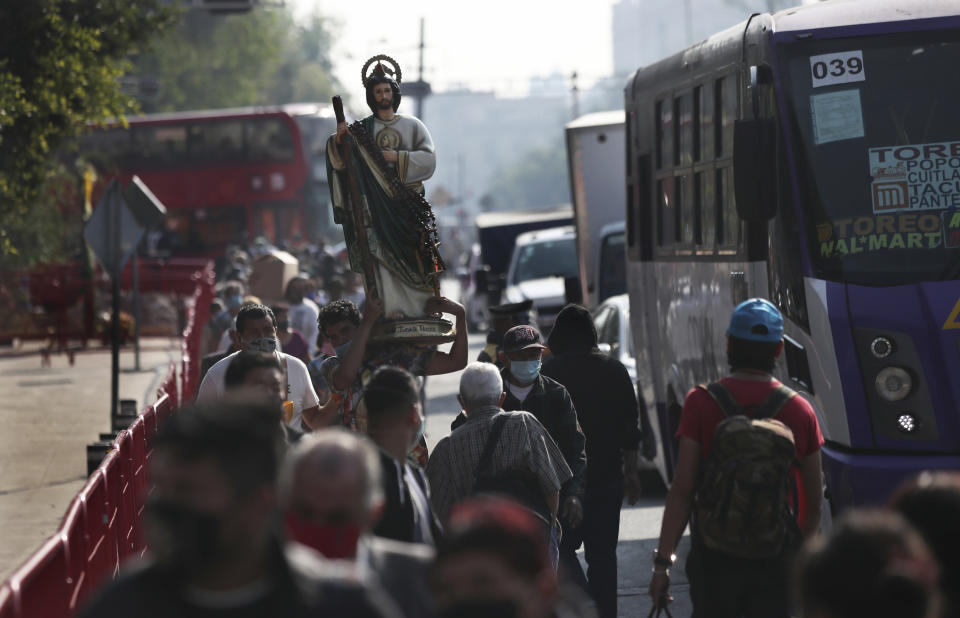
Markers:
524,444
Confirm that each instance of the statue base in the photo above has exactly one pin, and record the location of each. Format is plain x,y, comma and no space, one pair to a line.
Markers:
417,331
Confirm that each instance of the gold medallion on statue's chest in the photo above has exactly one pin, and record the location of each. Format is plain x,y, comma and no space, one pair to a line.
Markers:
388,139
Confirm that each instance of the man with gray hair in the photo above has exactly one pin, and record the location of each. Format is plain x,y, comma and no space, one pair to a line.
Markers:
331,495
494,451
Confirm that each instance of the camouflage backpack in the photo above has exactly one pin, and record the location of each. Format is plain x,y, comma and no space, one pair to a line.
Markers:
742,504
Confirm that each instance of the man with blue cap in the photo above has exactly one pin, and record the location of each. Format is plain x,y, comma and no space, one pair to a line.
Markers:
745,426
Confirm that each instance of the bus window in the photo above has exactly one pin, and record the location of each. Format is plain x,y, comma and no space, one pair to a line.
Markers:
218,141
666,230
658,123
729,113
697,209
706,122
695,122
268,139
665,131
728,224
685,224
708,214
684,130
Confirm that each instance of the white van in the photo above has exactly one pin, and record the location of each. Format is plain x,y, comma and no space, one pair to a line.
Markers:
541,262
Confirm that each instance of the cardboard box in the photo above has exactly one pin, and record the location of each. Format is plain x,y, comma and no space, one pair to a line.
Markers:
270,274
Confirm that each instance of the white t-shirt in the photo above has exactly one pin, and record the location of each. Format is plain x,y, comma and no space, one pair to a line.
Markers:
520,392
299,387
303,317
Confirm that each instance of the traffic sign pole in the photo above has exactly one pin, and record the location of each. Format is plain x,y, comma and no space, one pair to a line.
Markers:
114,239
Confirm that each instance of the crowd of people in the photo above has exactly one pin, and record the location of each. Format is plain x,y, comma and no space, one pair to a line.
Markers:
299,483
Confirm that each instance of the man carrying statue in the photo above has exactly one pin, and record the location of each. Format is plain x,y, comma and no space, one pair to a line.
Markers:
376,168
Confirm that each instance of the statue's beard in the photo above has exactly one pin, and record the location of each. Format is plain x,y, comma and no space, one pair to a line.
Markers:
385,104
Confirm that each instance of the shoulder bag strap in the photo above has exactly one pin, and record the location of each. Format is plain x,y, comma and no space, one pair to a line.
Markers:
774,402
722,397
490,444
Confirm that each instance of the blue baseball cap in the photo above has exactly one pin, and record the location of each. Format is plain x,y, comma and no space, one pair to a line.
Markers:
756,319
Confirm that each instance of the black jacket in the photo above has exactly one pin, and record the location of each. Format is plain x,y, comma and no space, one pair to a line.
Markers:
606,404
304,586
397,520
550,402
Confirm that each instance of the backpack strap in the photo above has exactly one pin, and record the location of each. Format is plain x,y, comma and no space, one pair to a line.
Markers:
489,445
772,405
722,397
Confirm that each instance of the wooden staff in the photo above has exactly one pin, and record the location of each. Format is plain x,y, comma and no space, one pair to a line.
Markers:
356,203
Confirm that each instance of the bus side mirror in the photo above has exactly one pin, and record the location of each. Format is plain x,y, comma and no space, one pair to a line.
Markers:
755,168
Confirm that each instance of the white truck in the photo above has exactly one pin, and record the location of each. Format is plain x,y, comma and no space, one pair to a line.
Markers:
541,263
596,155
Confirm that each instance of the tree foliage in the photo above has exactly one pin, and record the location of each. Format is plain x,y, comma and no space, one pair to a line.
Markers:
257,58
60,67
537,179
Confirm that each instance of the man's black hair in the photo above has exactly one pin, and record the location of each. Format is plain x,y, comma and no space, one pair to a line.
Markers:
389,393
372,81
747,354
245,362
338,311
241,438
254,312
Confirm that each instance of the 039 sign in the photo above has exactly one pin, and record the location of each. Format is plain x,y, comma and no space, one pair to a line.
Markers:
840,68
915,177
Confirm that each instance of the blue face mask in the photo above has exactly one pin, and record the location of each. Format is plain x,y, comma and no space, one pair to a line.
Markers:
341,349
525,371
234,302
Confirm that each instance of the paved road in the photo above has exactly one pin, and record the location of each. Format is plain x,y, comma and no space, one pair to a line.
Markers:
639,524
48,416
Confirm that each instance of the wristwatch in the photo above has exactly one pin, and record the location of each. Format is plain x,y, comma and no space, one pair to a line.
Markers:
663,562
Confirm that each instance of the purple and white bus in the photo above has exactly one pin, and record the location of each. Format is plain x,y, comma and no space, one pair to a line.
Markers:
811,157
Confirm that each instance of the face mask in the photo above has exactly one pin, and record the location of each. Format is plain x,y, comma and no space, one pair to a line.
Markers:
181,536
525,371
267,345
341,350
335,542
234,302
481,608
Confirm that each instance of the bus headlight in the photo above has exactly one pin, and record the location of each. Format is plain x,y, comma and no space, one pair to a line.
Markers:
907,423
894,383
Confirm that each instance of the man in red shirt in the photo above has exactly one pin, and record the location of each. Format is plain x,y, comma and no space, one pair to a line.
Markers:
723,585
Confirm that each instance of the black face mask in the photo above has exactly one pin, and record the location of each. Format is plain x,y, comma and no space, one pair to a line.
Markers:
185,538
481,608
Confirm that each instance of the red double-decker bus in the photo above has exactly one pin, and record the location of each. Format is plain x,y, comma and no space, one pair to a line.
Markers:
226,176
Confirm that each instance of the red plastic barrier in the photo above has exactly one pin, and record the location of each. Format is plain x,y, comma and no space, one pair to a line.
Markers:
40,588
7,609
100,557
103,524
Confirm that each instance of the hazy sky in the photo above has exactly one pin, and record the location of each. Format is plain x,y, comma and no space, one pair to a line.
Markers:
489,44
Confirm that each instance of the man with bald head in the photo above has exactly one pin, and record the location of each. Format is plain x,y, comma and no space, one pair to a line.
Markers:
332,496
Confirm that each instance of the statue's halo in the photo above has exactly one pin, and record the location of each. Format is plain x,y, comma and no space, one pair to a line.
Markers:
396,74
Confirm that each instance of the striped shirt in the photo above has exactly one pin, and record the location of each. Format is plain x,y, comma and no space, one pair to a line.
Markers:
524,444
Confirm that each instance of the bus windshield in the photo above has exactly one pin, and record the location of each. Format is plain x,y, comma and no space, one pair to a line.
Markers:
878,154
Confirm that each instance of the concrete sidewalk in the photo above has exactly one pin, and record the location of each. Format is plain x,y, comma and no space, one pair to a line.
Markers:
48,416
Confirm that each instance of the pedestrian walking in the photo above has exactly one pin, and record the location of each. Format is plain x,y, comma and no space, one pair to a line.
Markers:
740,437
395,422
331,495
503,452
602,392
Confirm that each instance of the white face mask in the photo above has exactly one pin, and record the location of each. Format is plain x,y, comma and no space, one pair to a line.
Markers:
266,345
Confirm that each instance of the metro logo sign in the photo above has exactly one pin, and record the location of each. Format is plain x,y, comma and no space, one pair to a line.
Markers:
890,196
